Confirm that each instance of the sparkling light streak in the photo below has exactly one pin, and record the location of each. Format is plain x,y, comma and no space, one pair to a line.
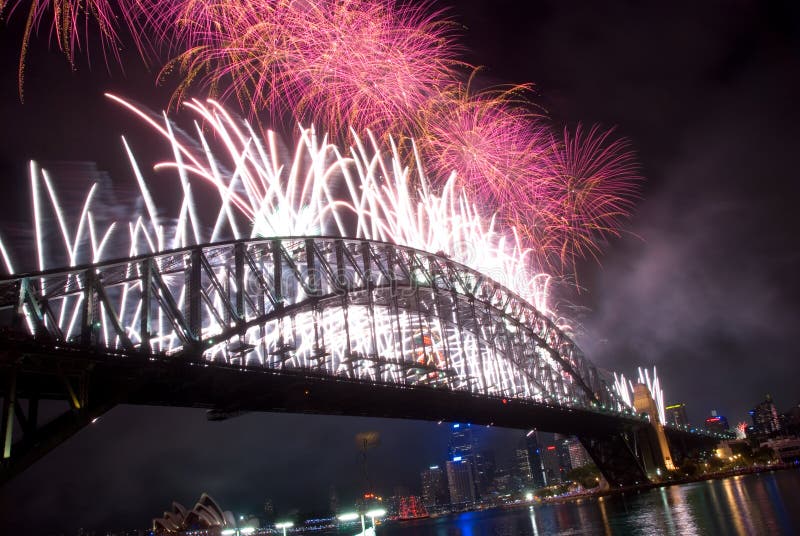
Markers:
364,193
624,389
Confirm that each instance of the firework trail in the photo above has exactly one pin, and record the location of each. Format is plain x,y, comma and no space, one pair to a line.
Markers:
363,194
741,430
624,390
70,26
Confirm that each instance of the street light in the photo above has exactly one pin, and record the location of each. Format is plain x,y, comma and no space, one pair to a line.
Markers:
352,516
244,531
284,525
372,514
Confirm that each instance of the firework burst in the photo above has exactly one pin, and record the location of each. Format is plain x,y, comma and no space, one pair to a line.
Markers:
360,63
587,191
490,139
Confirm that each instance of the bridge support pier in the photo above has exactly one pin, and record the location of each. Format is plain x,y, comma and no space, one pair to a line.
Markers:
619,456
34,378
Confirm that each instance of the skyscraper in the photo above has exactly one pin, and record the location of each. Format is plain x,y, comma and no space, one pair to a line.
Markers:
485,468
766,420
676,414
562,452
549,455
462,441
463,445
434,486
578,457
522,468
535,459
460,481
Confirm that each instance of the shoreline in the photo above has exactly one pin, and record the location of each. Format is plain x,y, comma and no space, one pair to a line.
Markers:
667,483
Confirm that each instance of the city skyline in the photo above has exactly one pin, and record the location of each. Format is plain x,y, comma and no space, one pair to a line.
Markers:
702,306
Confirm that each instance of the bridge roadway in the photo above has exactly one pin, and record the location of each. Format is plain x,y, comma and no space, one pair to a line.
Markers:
317,325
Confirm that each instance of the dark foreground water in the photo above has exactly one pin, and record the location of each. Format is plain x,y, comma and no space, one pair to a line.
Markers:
766,504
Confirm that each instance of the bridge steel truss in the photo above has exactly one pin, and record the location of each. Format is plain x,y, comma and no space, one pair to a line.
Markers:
348,309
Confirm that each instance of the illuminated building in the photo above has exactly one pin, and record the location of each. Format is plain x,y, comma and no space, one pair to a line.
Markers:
676,414
552,469
463,445
765,418
523,468
717,423
562,453
460,481
434,486
205,515
503,482
485,468
578,457
462,442
791,421
535,458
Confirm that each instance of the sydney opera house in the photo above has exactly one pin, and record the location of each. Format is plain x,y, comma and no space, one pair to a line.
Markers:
205,519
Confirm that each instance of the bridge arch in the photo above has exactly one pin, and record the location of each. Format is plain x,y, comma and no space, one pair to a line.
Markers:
355,308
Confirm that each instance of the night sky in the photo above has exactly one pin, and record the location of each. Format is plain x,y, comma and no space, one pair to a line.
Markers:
703,284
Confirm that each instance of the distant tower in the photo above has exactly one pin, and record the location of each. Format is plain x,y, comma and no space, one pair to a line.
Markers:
269,510
334,500
643,403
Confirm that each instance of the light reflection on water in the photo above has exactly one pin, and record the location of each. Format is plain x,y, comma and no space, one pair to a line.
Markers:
742,505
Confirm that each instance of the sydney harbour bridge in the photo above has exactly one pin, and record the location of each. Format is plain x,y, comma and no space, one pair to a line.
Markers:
303,324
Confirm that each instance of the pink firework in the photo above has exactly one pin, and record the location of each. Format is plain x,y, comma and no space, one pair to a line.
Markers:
341,63
369,63
229,48
588,190
491,140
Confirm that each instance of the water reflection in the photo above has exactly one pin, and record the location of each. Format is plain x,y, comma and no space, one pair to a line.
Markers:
745,505
680,510
533,522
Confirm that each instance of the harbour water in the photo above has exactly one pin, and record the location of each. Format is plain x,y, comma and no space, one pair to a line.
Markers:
759,504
